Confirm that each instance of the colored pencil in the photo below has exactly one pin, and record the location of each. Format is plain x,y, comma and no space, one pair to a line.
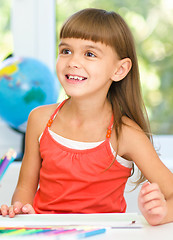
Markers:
1,160
7,160
91,233
17,232
77,233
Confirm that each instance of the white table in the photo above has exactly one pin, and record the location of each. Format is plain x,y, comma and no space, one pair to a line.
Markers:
146,232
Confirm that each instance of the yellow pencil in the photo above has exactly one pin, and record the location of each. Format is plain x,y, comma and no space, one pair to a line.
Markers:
17,232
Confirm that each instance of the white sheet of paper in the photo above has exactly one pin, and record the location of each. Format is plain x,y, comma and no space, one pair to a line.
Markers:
115,220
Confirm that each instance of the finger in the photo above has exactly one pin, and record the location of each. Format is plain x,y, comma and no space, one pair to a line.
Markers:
145,185
28,209
17,207
142,191
152,204
149,187
155,195
11,211
4,210
157,210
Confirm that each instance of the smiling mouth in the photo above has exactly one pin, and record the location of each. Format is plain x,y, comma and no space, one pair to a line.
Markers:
75,78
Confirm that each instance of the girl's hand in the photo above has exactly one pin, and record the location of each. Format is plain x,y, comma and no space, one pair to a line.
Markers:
152,203
16,208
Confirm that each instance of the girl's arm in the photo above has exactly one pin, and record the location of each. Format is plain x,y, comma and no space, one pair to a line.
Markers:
23,196
156,198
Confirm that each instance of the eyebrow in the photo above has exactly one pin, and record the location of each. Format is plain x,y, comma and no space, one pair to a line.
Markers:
94,48
62,44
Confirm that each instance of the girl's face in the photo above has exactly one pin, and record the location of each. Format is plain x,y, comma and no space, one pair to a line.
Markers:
85,67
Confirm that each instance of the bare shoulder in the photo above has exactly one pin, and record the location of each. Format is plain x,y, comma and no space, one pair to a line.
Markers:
44,110
131,129
39,116
130,123
132,138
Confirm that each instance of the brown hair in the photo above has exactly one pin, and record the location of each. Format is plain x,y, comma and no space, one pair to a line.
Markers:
109,27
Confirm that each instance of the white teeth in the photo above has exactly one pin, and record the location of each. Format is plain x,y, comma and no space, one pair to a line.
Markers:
75,77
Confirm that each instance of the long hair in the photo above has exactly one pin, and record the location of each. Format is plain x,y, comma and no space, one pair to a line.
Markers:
109,28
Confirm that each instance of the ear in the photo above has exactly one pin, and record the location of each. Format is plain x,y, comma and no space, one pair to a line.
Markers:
122,69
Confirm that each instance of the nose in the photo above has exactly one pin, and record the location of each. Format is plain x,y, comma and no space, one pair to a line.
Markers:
74,61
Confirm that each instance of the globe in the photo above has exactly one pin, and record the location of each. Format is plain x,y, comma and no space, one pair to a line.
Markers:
25,83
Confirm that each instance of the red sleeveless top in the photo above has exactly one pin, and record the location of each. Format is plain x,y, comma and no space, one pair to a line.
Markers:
79,181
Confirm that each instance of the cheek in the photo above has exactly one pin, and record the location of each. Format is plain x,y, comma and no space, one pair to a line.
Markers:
57,64
59,67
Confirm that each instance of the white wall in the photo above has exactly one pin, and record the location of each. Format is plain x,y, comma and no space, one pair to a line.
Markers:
33,29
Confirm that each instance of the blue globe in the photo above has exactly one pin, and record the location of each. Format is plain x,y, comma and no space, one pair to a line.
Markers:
25,83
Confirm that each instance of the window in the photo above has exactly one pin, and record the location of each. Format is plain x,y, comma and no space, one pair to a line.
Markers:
6,42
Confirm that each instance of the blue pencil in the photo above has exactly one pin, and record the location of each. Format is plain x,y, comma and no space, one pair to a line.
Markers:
91,233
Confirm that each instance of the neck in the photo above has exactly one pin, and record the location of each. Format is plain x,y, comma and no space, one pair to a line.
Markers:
84,110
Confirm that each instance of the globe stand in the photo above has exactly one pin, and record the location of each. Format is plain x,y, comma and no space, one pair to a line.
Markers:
20,156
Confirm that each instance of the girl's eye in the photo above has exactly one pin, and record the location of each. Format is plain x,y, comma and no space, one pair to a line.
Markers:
90,54
66,51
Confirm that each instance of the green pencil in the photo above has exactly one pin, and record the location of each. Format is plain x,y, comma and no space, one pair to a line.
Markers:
15,232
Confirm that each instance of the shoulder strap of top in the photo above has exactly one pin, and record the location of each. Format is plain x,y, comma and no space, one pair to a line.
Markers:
55,112
109,131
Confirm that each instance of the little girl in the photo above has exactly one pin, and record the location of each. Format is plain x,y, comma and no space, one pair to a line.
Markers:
80,153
